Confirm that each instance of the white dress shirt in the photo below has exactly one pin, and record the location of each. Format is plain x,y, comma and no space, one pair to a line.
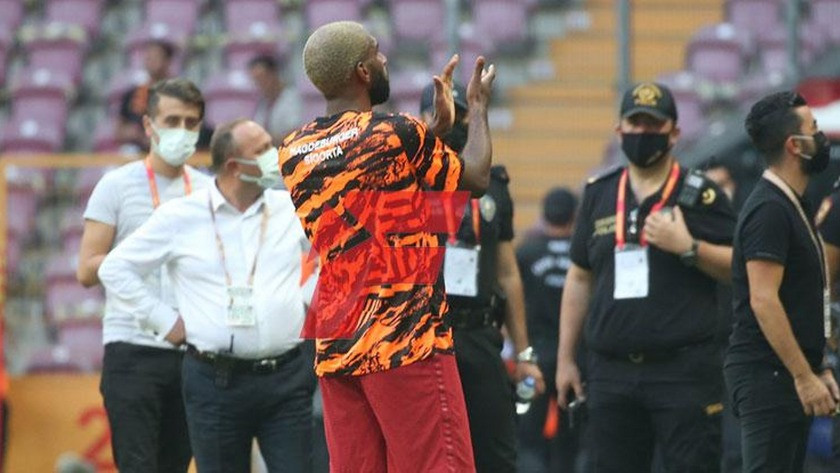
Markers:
180,236
123,199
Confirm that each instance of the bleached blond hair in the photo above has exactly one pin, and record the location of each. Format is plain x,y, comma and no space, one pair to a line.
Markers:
331,54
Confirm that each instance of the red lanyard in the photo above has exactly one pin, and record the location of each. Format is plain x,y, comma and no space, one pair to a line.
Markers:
620,205
452,227
221,246
150,174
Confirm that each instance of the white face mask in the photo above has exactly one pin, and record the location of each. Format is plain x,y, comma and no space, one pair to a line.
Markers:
269,167
174,145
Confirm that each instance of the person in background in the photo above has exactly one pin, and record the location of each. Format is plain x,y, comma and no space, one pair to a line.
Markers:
279,108
234,253
141,372
157,61
774,366
477,314
545,443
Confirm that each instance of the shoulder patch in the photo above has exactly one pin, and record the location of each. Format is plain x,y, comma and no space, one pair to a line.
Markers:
604,175
499,173
697,190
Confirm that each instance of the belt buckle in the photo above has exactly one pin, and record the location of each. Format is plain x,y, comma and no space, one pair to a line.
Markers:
266,365
636,357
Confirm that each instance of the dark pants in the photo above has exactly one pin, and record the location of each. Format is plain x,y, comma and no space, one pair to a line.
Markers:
274,408
141,387
672,406
488,393
774,427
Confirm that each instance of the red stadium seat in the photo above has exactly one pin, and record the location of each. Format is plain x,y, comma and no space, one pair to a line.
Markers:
230,95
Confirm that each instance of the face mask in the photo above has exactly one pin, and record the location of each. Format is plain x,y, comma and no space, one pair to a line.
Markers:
645,149
269,167
816,163
457,137
380,88
174,145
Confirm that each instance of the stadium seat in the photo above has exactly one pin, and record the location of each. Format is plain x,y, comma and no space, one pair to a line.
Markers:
756,16
41,94
503,22
11,14
321,12
58,48
21,208
83,338
242,48
229,95
418,21
180,15
719,53
120,84
69,300
84,13
105,138
407,88
313,103
825,16
53,359
685,89
136,41
241,15
773,49
28,137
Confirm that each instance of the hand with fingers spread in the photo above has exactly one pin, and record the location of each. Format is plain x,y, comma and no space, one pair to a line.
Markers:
480,87
444,101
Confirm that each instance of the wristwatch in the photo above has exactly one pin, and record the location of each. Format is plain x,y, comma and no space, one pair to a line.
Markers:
689,258
527,356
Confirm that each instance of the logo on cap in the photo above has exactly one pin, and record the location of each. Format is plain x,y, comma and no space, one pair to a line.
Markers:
647,95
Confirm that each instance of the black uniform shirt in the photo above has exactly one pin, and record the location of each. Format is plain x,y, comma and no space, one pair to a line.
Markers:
495,226
543,262
770,228
828,218
680,308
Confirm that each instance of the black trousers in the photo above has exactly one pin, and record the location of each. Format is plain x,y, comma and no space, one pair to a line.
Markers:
141,387
774,427
274,408
488,393
671,406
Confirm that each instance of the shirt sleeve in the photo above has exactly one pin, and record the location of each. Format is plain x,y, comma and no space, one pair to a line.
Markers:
830,225
765,233
124,269
583,230
104,203
711,219
505,205
437,165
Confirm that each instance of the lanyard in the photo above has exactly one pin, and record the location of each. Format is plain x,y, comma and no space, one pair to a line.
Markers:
221,246
150,174
452,227
620,205
816,239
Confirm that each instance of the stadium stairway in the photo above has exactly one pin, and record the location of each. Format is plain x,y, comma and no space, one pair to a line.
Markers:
561,127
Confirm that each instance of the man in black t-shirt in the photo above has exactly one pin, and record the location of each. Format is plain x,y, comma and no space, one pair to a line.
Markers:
543,259
650,241
773,366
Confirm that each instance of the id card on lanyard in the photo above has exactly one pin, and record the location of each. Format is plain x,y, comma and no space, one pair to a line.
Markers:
240,310
632,269
460,265
816,239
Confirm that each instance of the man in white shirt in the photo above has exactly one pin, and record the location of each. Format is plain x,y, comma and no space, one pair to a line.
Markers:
234,255
141,374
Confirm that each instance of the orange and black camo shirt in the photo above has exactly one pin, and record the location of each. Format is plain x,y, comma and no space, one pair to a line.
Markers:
331,158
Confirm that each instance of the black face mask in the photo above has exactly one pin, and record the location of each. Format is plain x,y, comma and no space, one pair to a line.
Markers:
645,149
816,163
380,88
457,137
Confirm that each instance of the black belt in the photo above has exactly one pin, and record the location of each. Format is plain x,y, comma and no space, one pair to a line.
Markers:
654,356
471,319
243,365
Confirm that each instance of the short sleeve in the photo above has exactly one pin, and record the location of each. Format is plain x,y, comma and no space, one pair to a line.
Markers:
829,215
765,233
712,218
583,230
505,205
437,165
104,203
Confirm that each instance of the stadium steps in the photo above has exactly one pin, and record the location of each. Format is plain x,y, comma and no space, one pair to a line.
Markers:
562,126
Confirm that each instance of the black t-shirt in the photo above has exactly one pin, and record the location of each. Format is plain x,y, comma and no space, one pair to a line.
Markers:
543,263
681,305
495,226
770,228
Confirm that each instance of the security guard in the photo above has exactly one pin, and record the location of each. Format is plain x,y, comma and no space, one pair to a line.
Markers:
484,290
650,241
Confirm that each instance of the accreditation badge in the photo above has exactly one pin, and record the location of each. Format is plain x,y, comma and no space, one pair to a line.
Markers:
241,307
632,272
460,271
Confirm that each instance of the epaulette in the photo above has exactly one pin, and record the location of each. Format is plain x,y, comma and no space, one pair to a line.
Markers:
608,173
499,172
697,190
